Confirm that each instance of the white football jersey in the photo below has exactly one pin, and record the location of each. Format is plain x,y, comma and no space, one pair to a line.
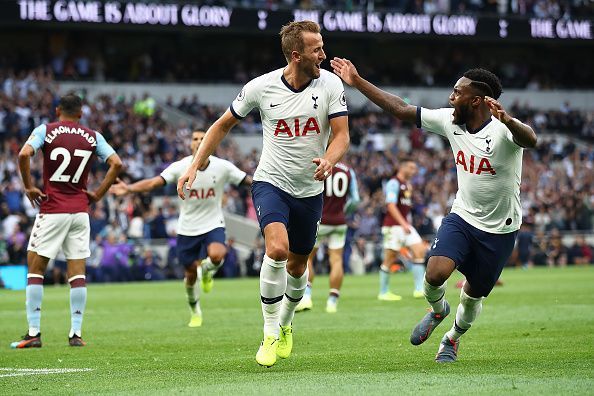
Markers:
201,211
489,168
296,127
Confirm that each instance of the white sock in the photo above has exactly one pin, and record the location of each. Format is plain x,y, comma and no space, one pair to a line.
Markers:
435,295
33,297
333,296
418,271
193,298
384,276
78,302
308,289
273,283
468,310
293,294
211,267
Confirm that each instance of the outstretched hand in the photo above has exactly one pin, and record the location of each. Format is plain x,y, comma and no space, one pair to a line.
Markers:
344,69
119,188
497,110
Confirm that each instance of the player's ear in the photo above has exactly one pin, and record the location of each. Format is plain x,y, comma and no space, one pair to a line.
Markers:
477,101
295,56
58,111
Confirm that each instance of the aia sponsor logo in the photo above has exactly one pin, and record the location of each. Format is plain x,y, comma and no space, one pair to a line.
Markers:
202,193
474,164
294,128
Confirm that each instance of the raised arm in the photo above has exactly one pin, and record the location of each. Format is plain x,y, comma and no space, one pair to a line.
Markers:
212,139
523,134
388,102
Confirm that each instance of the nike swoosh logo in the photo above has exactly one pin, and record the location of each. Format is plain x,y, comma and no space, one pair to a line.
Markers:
274,105
458,134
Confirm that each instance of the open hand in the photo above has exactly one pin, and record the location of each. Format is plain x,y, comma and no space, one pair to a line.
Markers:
497,110
119,188
344,69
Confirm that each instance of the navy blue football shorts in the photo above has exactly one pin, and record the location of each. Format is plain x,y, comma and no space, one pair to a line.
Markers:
479,255
301,216
193,248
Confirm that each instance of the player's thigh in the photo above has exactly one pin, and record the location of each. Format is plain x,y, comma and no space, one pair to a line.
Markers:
215,244
337,238
489,255
304,220
450,249
393,238
190,249
76,242
270,203
48,234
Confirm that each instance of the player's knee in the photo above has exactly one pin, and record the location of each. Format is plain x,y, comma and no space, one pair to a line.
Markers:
277,250
218,255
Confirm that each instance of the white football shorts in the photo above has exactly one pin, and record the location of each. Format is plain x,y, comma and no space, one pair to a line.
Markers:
334,234
395,238
70,232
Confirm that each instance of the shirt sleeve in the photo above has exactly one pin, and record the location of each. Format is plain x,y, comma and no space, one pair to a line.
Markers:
392,190
246,100
337,104
172,172
354,198
436,121
104,150
234,174
37,137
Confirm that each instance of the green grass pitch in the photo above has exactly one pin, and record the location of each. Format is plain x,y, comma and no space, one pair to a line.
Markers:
534,336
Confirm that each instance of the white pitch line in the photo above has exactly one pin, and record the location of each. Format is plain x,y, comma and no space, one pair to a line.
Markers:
16,372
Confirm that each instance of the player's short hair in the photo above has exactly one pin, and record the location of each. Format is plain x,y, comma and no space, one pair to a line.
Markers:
404,160
292,37
70,104
485,81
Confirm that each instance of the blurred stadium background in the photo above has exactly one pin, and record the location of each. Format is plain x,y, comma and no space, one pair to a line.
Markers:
150,72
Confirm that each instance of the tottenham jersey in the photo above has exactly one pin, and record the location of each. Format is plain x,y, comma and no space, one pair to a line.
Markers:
489,168
201,211
296,127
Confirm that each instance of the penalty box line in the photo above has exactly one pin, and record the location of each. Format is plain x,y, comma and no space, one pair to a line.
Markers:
17,372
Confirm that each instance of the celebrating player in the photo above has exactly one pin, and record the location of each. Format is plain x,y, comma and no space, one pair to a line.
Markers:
398,231
478,235
341,195
298,104
201,226
63,219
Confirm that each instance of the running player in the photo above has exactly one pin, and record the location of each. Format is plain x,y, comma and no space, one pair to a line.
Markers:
63,219
399,233
478,235
201,226
299,105
341,195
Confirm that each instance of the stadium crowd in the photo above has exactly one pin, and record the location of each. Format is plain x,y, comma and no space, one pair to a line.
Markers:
557,190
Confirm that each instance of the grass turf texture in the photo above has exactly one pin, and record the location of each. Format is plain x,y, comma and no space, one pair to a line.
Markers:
534,336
